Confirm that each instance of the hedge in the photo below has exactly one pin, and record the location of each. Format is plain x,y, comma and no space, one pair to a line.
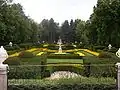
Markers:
64,87
26,45
24,72
64,56
65,47
14,47
76,69
100,66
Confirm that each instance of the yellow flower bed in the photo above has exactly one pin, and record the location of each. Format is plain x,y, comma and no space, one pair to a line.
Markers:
31,50
45,45
92,52
39,54
76,65
52,50
72,50
80,54
44,49
15,54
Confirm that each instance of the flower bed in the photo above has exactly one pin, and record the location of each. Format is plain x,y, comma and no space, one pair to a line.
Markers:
89,51
80,54
39,54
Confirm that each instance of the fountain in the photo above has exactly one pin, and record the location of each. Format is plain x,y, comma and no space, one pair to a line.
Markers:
60,48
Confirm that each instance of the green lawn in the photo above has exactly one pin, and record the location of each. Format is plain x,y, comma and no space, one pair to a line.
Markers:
64,61
31,61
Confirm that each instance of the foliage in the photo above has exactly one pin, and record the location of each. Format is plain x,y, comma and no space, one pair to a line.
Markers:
14,47
12,52
26,45
12,61
80,83
64,87
101,66
99,47
113,50
29,68
49,30
25,54
64,56
15,25
104,55
104,23
64,61
52,47
81,32
24,72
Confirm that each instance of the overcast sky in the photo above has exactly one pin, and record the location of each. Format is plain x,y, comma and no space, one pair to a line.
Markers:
59,10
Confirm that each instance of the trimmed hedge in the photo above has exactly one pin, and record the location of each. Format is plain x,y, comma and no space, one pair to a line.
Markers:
14,47
98,67
64,56
113,50
24,72
26,45
64,87
12,61
99,47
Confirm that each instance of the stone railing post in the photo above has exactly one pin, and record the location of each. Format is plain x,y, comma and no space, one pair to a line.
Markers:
118,75
3,69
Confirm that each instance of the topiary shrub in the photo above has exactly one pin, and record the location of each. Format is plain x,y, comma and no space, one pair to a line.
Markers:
26,45
14,47
104,55
113,50
25,54
99,47
12,61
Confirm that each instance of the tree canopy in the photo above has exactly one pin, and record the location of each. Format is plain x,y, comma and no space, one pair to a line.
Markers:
102,28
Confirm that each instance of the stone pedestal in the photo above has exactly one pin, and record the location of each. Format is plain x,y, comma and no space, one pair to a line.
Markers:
118,75
3,77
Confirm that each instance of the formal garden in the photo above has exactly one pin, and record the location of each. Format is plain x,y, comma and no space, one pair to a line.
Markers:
49,55
34,66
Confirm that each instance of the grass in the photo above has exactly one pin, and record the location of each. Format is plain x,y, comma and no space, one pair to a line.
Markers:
64,61
31,61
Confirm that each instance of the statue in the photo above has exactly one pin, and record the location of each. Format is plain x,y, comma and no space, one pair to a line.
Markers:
109,46
118,53
3,55
11,44
60,48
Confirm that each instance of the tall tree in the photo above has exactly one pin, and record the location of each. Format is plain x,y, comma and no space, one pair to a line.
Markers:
65,30
49,30
72,31
105,22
